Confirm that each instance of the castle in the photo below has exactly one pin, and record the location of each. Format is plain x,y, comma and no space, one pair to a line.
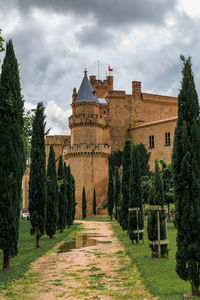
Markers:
101,119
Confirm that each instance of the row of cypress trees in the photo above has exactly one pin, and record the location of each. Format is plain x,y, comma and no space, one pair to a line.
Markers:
126,198
84,203
51,195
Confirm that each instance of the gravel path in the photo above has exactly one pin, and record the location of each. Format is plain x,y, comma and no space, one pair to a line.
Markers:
97,269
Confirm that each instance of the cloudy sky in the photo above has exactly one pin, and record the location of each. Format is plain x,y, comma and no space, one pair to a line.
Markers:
142,40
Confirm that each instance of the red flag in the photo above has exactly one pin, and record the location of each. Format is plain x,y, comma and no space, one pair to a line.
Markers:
109,69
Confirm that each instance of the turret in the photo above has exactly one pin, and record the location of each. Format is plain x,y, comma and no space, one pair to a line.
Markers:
136,90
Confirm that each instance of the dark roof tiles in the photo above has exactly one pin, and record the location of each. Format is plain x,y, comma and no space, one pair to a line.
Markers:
86,92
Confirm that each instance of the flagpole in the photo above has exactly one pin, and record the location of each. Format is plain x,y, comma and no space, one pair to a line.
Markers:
98,69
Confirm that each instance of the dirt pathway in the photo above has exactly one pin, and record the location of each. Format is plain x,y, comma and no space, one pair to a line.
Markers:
99,271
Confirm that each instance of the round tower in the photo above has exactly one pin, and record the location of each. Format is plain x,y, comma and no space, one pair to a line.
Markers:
90,146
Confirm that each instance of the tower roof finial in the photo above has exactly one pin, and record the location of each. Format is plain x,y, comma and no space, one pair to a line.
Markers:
85,72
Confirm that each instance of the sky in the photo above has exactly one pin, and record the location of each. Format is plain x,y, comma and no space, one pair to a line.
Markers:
141,40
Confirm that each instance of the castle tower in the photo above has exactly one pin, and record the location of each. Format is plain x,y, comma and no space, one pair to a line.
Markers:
90,146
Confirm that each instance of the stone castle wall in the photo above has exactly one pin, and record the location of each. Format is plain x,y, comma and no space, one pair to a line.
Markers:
141,133
59,143
128,111
89,166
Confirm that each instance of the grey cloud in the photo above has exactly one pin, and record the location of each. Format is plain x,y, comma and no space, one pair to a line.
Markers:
93,35
107,13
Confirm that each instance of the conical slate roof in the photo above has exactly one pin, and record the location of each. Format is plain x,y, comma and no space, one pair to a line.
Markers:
86,92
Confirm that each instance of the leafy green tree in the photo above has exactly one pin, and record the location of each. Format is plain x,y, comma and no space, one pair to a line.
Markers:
110,193
126,163
84,204
167,178
12,159
62,196
117,191
156,197
70,204
52,199
135,217
37,181
186,177
94,204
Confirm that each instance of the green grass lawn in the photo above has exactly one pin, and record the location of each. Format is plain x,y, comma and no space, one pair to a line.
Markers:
159,275
27,252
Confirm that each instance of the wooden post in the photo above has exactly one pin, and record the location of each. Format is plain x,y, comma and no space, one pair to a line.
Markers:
158,226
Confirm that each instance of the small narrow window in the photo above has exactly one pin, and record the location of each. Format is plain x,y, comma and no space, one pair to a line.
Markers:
167,139
151,141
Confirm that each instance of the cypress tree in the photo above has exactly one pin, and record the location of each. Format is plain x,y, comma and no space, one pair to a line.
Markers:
126,163
135,218
12,158
166,173
119,210
62,196
37,181
84,204
144,160
52,205
94,204
156,197
110,193
73,197
68,176
186,177
117,188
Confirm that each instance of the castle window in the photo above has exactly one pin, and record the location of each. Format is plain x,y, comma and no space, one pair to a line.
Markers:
151,141
167,139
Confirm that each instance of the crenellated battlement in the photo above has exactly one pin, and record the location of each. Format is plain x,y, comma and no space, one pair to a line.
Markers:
88,120
116,94
101,87
63,140
86,149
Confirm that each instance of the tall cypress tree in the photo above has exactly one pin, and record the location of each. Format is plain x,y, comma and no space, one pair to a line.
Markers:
52,205
156,197
117,190
62,196
73,197
110,193
37,181
126,163
12,158
186,176
67,172
84,204
94,204
135,217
